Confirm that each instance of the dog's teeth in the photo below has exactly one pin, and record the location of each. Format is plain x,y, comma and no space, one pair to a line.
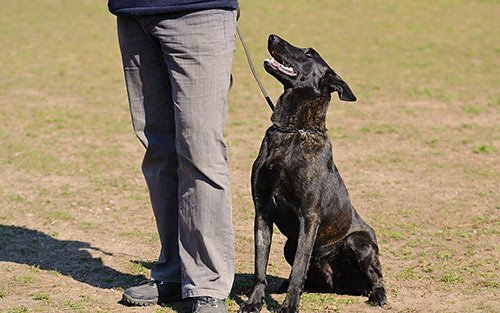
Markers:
288,70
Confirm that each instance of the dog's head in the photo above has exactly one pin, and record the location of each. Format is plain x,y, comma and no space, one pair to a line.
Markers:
304,69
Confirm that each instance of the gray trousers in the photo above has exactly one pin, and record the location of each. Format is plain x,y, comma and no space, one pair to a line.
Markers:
177,69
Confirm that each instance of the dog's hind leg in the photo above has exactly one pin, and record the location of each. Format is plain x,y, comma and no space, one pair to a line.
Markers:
319,277
366,254
289,253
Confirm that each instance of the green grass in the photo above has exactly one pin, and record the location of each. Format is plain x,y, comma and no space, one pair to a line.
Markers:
74,305
57,215
484,149
81,305
452,278
35,269
432,142
473,109
24,279
427,51
380,129
88,226
16,198
139,268
41,297
19,309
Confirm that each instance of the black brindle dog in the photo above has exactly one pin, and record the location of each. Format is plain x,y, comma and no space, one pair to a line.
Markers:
296,186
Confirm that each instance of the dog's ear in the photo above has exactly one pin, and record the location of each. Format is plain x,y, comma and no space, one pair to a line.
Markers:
337,84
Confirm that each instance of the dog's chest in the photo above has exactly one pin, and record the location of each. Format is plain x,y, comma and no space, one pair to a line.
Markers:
276,178
274,195
289,162
295,178
283,213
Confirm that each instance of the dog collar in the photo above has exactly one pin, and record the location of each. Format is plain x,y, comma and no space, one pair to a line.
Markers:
298,130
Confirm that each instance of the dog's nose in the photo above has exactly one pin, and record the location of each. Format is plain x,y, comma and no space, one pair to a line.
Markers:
273,38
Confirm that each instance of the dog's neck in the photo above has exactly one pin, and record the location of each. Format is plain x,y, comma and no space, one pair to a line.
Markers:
296,111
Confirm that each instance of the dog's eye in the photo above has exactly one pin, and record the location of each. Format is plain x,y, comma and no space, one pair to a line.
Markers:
308,53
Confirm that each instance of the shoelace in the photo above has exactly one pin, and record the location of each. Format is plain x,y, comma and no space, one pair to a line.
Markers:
205,301
151,282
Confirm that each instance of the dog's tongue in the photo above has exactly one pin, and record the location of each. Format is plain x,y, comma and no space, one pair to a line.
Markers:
288,70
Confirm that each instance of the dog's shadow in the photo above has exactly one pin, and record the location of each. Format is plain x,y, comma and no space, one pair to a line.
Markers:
243,286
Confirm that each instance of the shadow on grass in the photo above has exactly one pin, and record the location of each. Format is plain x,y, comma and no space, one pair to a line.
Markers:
243,286
72,258
66,257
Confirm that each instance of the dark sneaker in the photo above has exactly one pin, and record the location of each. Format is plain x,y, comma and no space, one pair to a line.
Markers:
208,305
152,292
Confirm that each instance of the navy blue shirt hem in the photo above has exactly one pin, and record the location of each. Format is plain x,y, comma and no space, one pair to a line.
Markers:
125,8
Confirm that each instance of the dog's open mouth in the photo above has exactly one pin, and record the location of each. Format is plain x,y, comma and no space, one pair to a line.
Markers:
281,65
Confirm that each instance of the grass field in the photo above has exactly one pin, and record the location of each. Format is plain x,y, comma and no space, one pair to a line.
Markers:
419,152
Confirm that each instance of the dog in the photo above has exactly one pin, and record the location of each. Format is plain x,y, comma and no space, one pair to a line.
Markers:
296,185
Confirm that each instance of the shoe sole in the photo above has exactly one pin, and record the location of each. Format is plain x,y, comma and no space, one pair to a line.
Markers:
138,302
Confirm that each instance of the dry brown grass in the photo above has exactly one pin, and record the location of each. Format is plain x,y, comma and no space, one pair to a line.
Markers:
418,151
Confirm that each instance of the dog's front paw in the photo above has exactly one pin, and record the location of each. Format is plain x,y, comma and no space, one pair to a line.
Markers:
287,310
250,307
378,297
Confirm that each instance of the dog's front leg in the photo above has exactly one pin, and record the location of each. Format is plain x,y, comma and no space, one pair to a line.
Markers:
307,236
263,235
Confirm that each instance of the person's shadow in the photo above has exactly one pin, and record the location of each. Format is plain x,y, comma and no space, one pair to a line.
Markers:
67,257
72,258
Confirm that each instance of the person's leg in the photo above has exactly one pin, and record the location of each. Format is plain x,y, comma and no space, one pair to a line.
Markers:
149,93
198,48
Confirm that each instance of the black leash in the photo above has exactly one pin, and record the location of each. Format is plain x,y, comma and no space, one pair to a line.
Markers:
254,72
